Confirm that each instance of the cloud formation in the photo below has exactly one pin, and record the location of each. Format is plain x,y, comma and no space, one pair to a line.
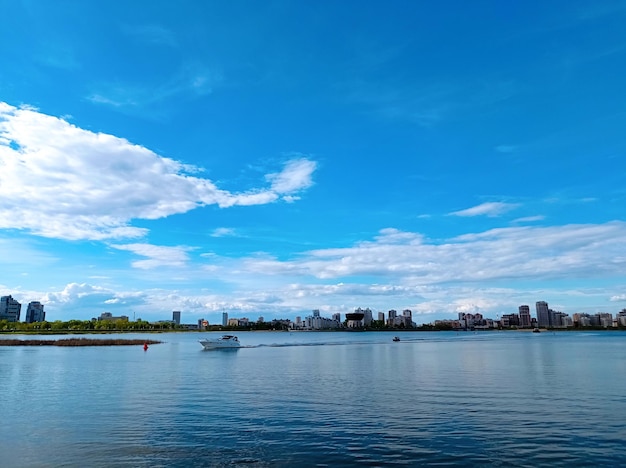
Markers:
490,209
223,232
295,176
396,269
193,79
61,181
530,253
74,292
156,255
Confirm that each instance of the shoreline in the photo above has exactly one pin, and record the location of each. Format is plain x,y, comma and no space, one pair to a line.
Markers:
78,342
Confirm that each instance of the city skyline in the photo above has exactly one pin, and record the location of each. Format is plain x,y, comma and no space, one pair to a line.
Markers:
271,159
545,317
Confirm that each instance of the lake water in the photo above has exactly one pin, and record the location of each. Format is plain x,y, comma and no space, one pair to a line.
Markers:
319,399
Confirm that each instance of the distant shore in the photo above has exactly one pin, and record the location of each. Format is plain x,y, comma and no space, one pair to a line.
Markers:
78,342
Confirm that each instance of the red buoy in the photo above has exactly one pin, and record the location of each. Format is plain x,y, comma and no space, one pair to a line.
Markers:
145,346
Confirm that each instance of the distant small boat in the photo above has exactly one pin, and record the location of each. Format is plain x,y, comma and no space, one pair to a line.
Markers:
224,341
536,330
396,338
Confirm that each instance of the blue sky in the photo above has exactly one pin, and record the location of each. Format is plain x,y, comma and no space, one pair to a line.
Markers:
270,158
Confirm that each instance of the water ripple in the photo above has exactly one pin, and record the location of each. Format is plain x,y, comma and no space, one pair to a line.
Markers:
511,400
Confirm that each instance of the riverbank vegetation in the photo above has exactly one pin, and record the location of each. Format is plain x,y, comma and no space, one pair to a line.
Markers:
86,326
78,342
94,326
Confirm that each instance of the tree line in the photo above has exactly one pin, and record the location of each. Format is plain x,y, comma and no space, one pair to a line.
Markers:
121,325
60,326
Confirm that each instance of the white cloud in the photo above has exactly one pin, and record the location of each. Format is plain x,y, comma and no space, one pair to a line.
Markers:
223,232
73,292
529,219
520,252
396,269
77,298
296,176
491,209
115,97
248,199
156,255
355,290
64,182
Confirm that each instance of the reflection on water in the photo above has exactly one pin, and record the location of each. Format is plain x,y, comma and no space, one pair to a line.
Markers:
307,399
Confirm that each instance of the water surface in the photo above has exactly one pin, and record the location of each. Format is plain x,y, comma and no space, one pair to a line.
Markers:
319,399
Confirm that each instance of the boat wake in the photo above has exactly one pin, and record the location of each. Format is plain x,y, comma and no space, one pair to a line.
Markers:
326,343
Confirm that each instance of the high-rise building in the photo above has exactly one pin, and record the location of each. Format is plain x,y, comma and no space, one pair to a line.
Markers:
381,317
605,319
35,312
543,314
510,320
621,318
524,316
10,309
367,317
557,319
317,322
224,319
176,317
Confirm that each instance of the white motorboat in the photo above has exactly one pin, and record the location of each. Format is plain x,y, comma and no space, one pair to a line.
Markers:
224,341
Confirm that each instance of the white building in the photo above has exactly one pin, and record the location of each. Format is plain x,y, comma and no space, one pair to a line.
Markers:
469,321
317,322
402,321
605,319
108,316
621,318
367,317
236,322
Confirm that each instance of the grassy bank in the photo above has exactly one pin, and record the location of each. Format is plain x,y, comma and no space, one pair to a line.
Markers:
77,342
